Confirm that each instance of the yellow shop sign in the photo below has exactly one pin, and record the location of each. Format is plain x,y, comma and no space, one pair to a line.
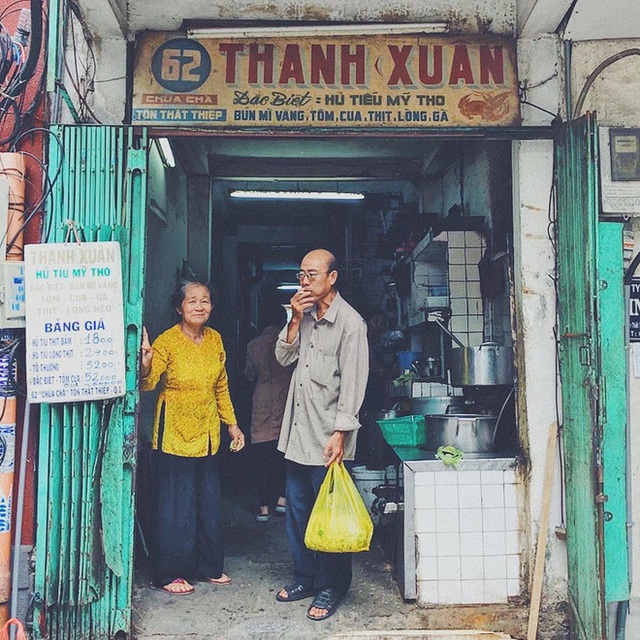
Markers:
364,81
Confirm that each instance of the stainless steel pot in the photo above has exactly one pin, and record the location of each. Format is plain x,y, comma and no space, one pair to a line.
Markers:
469,433
488,364
439,404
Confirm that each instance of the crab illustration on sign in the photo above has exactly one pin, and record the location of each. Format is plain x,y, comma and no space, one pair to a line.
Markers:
486,106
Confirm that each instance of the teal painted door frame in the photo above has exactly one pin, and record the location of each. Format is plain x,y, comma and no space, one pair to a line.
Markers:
593,374
577,245
87,451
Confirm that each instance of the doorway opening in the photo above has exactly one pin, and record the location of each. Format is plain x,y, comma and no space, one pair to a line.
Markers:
429,245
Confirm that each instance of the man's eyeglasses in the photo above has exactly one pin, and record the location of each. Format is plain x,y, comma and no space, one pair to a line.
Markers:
312,275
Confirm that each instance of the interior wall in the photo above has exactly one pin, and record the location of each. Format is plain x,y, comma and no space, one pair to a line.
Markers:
167,224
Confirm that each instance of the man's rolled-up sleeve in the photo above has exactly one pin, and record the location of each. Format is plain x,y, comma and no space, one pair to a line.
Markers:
354,372
287,353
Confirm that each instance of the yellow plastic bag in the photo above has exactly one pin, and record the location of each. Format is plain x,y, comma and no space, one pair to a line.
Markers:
339,521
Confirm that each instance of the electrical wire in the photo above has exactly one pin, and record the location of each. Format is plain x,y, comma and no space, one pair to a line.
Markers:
49,182
18,67
552,231
9,350
82,82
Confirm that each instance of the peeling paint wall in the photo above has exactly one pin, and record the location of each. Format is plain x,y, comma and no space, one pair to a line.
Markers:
470,16
614,93
532,178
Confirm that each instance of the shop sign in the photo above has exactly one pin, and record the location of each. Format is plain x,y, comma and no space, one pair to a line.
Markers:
75,322
386,82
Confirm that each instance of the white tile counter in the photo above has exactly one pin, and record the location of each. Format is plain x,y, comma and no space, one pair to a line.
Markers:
465,528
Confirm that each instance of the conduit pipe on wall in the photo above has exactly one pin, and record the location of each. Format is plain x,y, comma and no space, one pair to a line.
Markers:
596,72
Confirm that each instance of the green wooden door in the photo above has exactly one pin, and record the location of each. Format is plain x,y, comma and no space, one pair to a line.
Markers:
613,362
576,162
87,451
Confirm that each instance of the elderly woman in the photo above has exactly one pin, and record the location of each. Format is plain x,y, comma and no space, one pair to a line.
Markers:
188,363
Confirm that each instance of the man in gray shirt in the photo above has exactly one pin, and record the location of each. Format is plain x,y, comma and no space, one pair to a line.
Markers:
328,340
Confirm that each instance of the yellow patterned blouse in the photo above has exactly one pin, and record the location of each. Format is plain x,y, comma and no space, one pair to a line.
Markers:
194,390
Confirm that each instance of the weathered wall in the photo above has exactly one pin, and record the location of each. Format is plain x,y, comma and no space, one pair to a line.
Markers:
614,93
533,164
472,16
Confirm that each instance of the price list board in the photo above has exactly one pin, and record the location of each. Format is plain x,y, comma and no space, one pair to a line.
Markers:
74,322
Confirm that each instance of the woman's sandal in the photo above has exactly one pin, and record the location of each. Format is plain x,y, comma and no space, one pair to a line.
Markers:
222,581
172,592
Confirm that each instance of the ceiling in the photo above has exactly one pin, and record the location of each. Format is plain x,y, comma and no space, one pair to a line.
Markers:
372,166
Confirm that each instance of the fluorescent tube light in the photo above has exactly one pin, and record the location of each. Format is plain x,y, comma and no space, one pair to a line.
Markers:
295,195
319,30
166,153
288,287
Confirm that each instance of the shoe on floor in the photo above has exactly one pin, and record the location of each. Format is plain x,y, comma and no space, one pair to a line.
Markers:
263,514
294,592
328,600
171,592
280,508
222,581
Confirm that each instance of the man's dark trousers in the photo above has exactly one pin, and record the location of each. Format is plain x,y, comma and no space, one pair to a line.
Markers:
312,569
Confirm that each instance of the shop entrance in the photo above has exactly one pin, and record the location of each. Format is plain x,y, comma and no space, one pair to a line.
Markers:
431,239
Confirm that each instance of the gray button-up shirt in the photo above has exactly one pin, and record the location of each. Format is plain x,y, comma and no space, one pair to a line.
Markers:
328,384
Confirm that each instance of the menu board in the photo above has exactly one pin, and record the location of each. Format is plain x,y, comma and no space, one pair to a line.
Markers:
74,322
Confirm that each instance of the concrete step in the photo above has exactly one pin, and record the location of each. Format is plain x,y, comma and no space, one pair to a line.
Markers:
421,634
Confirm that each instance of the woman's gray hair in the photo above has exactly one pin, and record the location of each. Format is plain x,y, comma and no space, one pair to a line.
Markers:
180,291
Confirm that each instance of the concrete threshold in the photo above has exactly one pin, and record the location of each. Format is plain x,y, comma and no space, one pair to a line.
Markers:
421,634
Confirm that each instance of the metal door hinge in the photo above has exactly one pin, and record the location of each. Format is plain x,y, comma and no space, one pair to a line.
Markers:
601,497
129,448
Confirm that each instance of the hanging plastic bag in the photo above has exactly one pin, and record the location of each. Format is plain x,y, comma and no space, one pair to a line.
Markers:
339,521
5,632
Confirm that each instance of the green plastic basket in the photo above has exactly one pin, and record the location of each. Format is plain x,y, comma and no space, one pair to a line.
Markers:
407,431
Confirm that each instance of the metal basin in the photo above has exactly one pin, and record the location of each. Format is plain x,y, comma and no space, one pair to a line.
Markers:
488,364
469,433
437,405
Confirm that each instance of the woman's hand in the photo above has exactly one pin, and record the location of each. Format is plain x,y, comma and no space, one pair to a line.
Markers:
146,354
237,438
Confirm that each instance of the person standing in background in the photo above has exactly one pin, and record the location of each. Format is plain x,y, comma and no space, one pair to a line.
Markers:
268,401
328,340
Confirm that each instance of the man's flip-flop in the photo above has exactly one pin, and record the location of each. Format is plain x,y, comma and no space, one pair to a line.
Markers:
294,592
171,592
222,581
328,600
